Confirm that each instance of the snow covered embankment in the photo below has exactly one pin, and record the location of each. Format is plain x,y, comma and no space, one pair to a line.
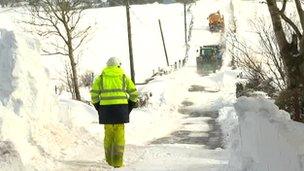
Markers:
268,139
33,132
17,97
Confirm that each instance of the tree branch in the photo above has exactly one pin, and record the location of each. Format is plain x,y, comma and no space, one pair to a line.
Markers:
300,12
292,24
83,35
53,53
283,6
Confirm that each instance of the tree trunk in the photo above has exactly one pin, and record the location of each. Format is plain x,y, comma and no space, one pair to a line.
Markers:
69,43
277,25
73,66
74,73
292,58
295,78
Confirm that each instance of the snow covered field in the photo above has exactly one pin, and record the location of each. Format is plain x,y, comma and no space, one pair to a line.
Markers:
191,122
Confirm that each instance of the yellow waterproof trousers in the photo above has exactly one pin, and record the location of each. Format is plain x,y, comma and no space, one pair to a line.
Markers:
114,144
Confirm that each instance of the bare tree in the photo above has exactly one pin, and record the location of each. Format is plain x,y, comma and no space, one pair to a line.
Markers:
292,51
269,49
61,18
262,65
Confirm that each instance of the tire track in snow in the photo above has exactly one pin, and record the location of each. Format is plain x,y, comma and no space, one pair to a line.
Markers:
199,127
84,165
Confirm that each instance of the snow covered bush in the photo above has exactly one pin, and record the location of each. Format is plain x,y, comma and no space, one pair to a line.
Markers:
262,64
285,101
87,79
144,98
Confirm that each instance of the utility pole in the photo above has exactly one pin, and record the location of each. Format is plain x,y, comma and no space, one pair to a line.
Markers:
130,41
161,32
185,20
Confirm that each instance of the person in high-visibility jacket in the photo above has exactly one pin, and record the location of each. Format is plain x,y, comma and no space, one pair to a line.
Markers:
114,95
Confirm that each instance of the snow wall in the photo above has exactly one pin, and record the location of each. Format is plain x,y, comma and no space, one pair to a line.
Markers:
33,127
26,100
265,138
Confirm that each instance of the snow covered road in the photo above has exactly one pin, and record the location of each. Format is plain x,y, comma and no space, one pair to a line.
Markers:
179,129
199,127
196,143
178,157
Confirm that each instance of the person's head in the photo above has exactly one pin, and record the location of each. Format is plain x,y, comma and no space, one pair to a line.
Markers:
113,61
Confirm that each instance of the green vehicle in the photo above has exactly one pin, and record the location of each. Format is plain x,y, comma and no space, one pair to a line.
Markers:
209,59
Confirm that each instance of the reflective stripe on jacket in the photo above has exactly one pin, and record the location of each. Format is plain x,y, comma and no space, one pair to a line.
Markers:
113,87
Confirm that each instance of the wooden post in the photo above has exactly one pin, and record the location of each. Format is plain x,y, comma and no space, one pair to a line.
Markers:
185,20
161,32
130,41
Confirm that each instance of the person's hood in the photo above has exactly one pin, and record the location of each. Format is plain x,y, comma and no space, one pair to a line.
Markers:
113,71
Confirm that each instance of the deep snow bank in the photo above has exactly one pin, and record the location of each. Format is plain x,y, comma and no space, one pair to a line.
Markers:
23,101
31,118
267,138
24,86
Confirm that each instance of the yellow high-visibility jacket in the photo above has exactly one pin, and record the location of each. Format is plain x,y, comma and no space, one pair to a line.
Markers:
113,87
